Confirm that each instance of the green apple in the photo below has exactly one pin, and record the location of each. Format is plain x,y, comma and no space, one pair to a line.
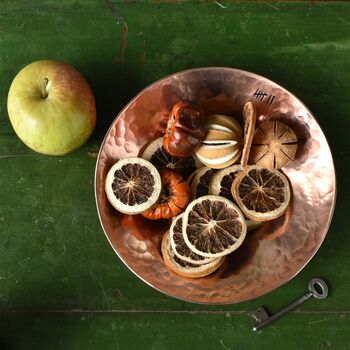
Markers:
51,107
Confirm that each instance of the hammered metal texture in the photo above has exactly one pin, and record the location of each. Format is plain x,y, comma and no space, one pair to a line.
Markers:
272,254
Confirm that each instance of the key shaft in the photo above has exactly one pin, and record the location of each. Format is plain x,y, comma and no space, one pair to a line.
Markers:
293,305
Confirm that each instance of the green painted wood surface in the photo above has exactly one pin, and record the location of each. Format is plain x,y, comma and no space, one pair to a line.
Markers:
171,331
61,285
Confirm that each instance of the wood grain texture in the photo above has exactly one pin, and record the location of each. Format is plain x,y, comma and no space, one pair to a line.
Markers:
53,254
170,331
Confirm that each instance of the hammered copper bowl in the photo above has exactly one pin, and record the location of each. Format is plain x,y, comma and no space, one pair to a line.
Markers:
272,254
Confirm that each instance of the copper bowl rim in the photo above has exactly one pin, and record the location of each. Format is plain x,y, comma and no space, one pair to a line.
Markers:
228,69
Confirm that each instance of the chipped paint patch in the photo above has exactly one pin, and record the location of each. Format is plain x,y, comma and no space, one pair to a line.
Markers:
123,28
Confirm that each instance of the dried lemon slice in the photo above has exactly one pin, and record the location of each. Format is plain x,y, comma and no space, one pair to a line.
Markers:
262,194
155,153
184,268
133,185
200,182
213,226
221,184
179,246
274,145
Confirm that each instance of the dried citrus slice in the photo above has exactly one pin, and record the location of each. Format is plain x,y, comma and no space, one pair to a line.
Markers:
262,194
155,153
184,268
221,184
200,182
252,224
179,246
213,226
274,145
191,177
133,185
249,120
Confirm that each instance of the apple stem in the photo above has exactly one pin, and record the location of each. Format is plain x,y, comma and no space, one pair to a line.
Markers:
43,87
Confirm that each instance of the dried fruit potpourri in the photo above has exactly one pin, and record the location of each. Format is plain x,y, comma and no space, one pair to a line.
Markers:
274,145
261,193
200,182
222,145
213,226
184,268
133,185
155,153
179,246
221,184
185,130
174,197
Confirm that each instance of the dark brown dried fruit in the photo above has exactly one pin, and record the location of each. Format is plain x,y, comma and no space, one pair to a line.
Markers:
200,182
184,268
185,130
274,145
261,193
133,185
180,248
221,182
173,199
213,226
155,153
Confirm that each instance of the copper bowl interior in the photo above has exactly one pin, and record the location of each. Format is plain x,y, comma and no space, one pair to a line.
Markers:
272,254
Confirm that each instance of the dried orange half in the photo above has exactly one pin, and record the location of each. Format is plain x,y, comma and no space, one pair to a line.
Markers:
262,194
274,145
212,226
133,185
179,246
184,268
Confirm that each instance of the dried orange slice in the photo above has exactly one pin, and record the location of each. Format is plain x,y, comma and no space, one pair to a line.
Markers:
221,183
200,182
155,153
191,177
262,194
249,120
213,226
179,246
133,185
252,224
274,145
184,268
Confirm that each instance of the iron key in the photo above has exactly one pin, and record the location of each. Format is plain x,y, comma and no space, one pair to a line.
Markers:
317,288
